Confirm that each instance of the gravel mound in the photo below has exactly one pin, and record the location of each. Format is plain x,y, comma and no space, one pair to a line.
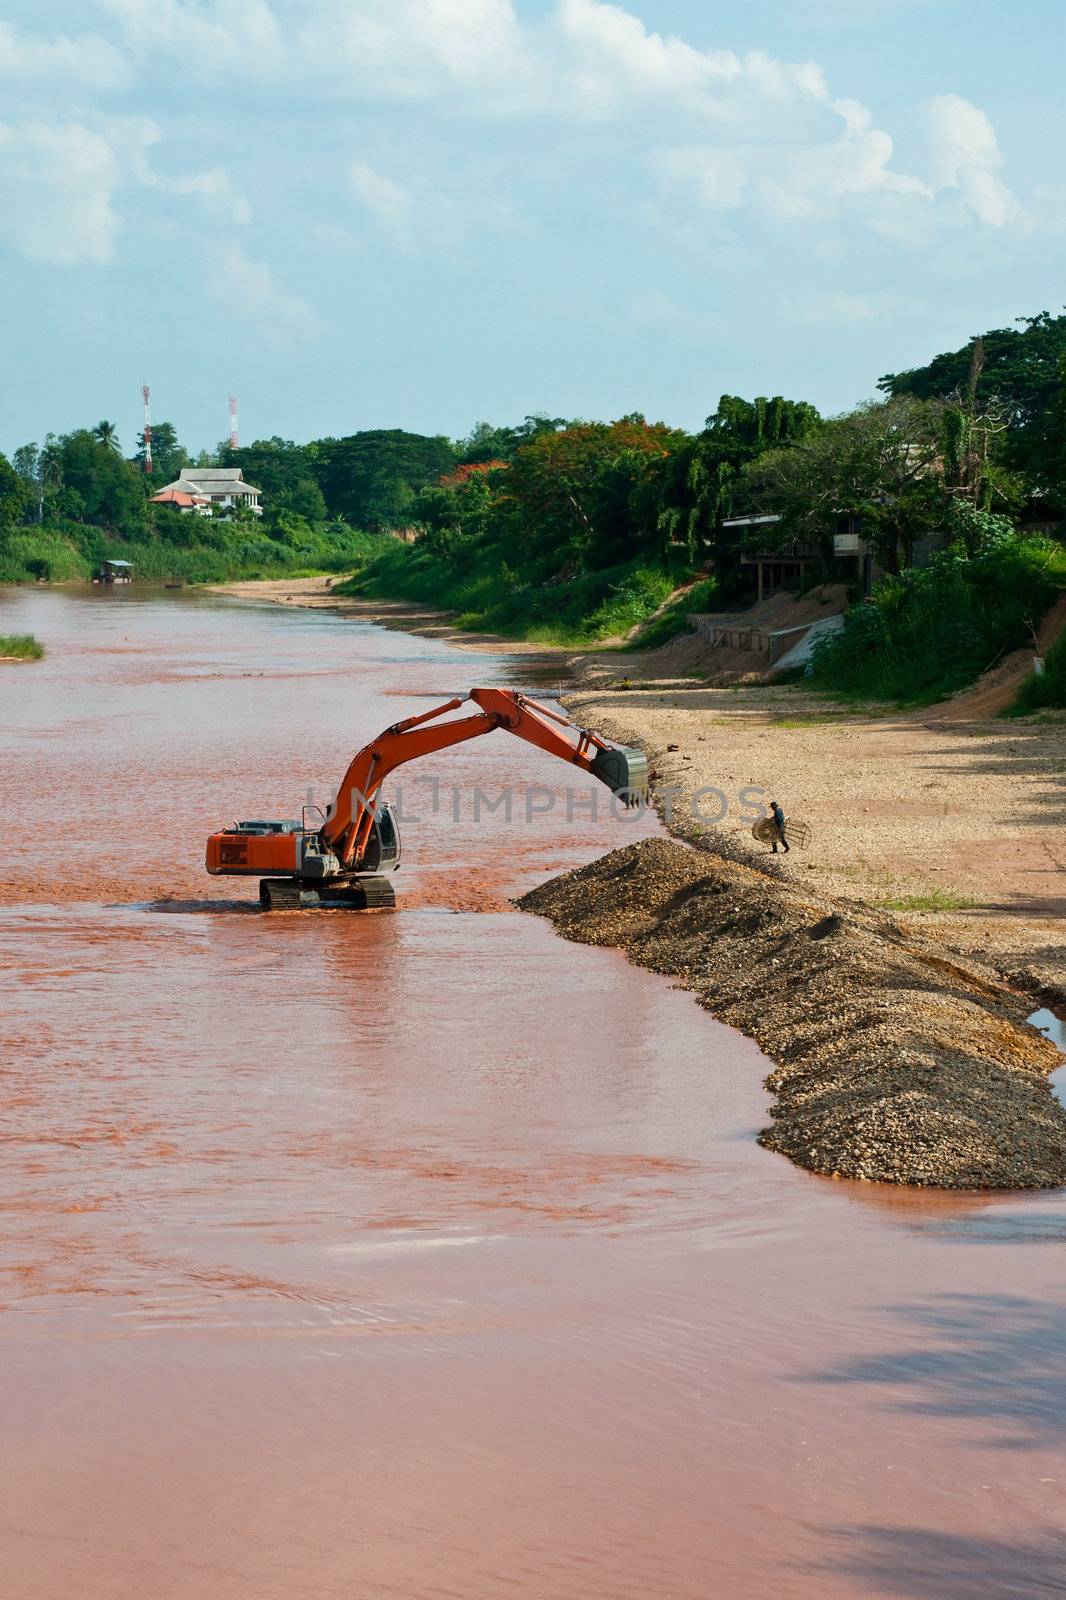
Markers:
893,1062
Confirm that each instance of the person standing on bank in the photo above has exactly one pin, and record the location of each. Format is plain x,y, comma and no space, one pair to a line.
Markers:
779,822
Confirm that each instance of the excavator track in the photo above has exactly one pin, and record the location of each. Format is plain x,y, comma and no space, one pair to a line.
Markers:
351,894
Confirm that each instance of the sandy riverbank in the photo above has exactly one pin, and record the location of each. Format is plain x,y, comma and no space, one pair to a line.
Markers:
888,970
953,825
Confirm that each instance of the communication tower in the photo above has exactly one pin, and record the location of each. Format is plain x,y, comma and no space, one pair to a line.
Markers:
146,396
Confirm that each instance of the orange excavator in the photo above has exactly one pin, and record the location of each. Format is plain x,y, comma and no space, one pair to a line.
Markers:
341,860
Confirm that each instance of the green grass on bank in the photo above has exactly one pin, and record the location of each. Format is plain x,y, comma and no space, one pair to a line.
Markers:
671,620
579,610
20,647
196,550
1049,689
931,900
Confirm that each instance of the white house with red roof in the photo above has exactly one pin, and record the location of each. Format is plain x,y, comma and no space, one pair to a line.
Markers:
207,489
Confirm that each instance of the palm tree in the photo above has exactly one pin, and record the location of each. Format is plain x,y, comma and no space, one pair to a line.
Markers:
107,433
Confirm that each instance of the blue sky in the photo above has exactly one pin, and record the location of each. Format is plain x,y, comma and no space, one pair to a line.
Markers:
423,213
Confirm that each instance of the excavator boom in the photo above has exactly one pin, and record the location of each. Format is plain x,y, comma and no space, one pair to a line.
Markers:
336,861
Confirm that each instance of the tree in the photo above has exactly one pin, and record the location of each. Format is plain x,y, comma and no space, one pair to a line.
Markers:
168,456
487,443
50,468
94,483
107,434
458,511
571,492
691,490
274,465
1009,371
1055,453
304,499
28,464
371,478
14,495
882,463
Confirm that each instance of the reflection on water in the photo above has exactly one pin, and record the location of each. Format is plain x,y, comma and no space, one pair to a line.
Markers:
1054,1028
424,1254
1051,1026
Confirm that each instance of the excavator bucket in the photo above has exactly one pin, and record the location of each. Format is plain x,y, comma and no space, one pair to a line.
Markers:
625,771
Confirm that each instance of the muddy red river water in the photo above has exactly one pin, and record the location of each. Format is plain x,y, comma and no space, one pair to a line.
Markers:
422,1254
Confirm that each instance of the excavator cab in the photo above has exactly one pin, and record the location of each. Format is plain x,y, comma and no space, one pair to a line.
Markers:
382,852
320,880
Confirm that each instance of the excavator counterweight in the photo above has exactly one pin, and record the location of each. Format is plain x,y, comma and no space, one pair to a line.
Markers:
341,861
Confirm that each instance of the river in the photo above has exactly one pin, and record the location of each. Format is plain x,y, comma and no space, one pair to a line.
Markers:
422,1254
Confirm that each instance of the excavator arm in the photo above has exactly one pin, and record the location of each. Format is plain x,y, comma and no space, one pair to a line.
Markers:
348,827
336,863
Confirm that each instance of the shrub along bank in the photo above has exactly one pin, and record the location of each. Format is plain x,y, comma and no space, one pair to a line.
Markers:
20,647
930,631
1049,689
579,609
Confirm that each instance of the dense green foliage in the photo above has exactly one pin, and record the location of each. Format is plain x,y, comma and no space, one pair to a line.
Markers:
193,549
1019,373
20,647
67,505
581,531
371,479
901,470
578,609
931,630
697,487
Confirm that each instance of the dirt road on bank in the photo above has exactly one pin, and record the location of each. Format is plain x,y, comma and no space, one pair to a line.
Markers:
955,826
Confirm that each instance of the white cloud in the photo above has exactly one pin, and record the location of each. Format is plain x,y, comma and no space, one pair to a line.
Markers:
61,184
719,129
247,289
965,156
716,130
475,50
711,176
88,61
215,188
388,203
813,181
773,135
204,39
613,56
785,175
57,187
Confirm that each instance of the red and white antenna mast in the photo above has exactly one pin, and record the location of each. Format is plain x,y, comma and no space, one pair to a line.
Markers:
233,422
146,395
